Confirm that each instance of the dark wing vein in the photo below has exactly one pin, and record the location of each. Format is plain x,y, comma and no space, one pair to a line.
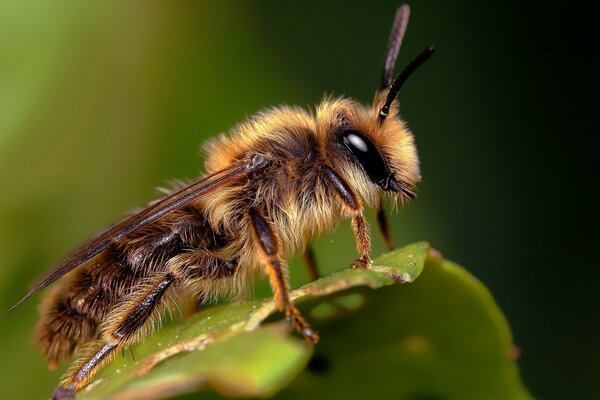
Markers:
152,213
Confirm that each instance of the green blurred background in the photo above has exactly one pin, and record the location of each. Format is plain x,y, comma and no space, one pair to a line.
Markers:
100,102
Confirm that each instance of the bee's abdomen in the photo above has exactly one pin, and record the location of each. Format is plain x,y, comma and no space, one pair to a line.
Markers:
73,312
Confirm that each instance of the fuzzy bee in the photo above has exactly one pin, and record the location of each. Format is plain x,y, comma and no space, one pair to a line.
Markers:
274,183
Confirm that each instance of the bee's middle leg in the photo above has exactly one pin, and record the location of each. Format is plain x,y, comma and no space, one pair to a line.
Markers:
311,263
277,271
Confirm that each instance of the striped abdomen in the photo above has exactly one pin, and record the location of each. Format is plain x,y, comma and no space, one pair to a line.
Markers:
72,313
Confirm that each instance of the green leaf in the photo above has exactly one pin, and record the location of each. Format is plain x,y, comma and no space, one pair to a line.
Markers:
441,337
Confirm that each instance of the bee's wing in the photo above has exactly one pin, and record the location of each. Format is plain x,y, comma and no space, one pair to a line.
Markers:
155,211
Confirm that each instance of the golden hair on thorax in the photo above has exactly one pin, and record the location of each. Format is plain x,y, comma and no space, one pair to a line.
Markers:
272,184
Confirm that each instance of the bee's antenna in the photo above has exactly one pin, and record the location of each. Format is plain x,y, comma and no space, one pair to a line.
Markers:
401,78
394,43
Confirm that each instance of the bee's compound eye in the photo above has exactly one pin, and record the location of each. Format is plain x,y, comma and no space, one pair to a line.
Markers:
367,155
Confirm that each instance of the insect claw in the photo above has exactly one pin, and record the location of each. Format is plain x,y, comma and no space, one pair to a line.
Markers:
361,263
63,393
310,335
293,315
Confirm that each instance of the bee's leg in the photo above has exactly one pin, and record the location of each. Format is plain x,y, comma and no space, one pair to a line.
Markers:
277,270
125,325
353,208
360,227
311,263
122,328
384,228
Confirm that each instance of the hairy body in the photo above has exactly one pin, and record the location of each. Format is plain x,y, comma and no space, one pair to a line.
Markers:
211,242
273,184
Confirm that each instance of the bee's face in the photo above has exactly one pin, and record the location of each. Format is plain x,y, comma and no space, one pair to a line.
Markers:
377,156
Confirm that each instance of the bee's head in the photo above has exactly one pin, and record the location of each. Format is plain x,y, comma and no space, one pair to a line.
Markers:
374,158
372,147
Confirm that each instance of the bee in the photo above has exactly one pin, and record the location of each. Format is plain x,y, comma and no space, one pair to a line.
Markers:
272,184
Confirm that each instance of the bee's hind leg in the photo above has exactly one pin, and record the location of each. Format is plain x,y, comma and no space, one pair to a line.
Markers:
126,324
122,328
270,248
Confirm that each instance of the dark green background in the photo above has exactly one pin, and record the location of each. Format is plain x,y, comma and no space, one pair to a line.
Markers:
101,102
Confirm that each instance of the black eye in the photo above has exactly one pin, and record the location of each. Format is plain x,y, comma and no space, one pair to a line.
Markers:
367,155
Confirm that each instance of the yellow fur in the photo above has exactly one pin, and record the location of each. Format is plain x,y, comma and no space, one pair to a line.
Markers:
296,226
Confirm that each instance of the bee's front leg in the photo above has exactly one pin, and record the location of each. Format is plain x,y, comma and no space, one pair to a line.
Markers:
270,249
352,207
360,227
